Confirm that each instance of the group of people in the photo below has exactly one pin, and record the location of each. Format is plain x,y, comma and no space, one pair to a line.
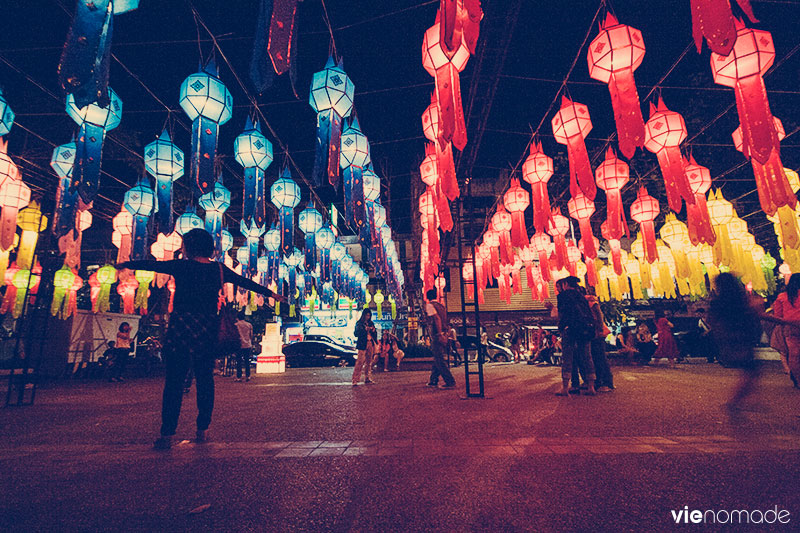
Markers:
637,346
370,349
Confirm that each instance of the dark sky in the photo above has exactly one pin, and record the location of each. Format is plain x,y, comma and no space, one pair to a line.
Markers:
157,46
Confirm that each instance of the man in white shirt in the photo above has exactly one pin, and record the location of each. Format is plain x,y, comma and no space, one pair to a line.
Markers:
243,355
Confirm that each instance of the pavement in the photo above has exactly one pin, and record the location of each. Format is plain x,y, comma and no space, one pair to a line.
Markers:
306,451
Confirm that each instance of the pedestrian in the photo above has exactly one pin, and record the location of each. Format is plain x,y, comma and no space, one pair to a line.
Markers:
397,353
246,350
385,349
787,308
484,347
667,346
122,348
605,379
439,326
576,324
515,343
193,327
453,345
366,338
626,345
645,345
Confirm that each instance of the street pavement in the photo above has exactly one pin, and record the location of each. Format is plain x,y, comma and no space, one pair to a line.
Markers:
306,451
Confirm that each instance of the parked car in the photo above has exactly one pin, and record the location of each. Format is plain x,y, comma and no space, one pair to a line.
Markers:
318,353
328,338
496,351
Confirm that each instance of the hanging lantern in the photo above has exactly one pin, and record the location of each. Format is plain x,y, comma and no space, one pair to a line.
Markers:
558,228
332,99
8,169
613,56
272,242
252,235
164,161
95,120
353,159
614,245
70,244
105,277
713,19
571,125
378,298
14,195
573,257
6,115
63,280
644,210
459,20
517,200
543,247
139,202
187,221
31,221
207,102
62,162
325,239
254,152
664,133
445,66
429,173
501,224
5,256
427,211
581,209
443,151
699,221
721,212
285,195
143,278
121,238
215,202
611,176
375,217
310,222
127,290
537,170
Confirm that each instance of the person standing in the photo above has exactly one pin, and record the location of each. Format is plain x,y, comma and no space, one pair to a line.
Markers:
122,349
605,379
243,355
453,346
787,308
576,324
193,327
366,338
439,327
667,346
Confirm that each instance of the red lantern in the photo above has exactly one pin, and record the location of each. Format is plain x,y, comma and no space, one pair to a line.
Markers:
558,228
429,172
773,186
517,201
613,56
427,211
492,241
752,55
571,125
501,224
664,133
581,209
616,248
444,66
573,256
536,170
591,270
611,176
697,216
543,246
460,18
644,210
714,20
444,151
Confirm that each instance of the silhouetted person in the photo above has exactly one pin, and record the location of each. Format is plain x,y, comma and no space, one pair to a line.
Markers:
440,330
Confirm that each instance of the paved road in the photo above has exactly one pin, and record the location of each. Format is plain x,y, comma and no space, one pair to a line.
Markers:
305,451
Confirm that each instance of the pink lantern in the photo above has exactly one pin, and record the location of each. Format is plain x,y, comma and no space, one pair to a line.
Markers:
697,216
581,209
517,201
460,19
558,228
8,170
543,246
571,125
664,133
536,170
616,248
713,19
123,226
644,210
501,224
444,151
14,195
429,172
611,176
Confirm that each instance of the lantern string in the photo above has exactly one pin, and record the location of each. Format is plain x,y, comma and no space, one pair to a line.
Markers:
327,19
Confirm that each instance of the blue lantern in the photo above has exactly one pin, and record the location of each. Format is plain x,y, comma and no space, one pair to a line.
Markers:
207,102
94,121
310,222
62,163
338,253
85,60
354,158
332,98
293,261
262,265
285,195
252,234
188,221
139,201
6,116
164,161
215,202
325,239
272,242
243,257
254,152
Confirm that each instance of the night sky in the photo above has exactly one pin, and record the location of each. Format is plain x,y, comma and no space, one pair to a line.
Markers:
156,47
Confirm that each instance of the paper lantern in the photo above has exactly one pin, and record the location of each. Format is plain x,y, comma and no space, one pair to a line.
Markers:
714,20
215,202
558,228
324,240
353,159
537,170
543,246
571,125
573,257
581,209
375,215
252,234
285,195
95,120
14,195
188,221
615,247
445,66
613,56
697,216
721,212
272,242
501,223
254,152
611,176
443,151
664,133
310,222
460,22
207,102
644,210
8,169
63,281
127,290
105,277
164,161
429,173
331,98
6,115
139,201
62,162
427,211
31,221
517,200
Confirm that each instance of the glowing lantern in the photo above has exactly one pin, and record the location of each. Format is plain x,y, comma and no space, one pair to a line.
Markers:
615,246
310,222
664,133
207,102
444,66
127,290
70,244
443,151
254,152
332,98
8,169
378,298
139,201
22,282
252,235
676,235
215,202
581,209
353,159
714,20
5,255
644,210
272,242
62,162
543,247
62,283
501,224
427,211
187,221
537,170
164,161
517,201
752,55
375,217
558,228
324,239
571,125
95,120
14,195
31,222
105,277
700,229
613,56
721,212
611,176
144,278
164,250
459,20
285,195
429,173
6,116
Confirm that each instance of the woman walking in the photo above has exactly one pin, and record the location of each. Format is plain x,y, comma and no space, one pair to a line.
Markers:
193,327
366,338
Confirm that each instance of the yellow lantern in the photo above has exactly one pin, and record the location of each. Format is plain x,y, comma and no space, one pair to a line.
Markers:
106,276
31,222
62,283
378,299
144,277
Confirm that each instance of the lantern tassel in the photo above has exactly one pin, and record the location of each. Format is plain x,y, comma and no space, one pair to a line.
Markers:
86,171
204,149
281,30
448,91
580,169
759,136
627,111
